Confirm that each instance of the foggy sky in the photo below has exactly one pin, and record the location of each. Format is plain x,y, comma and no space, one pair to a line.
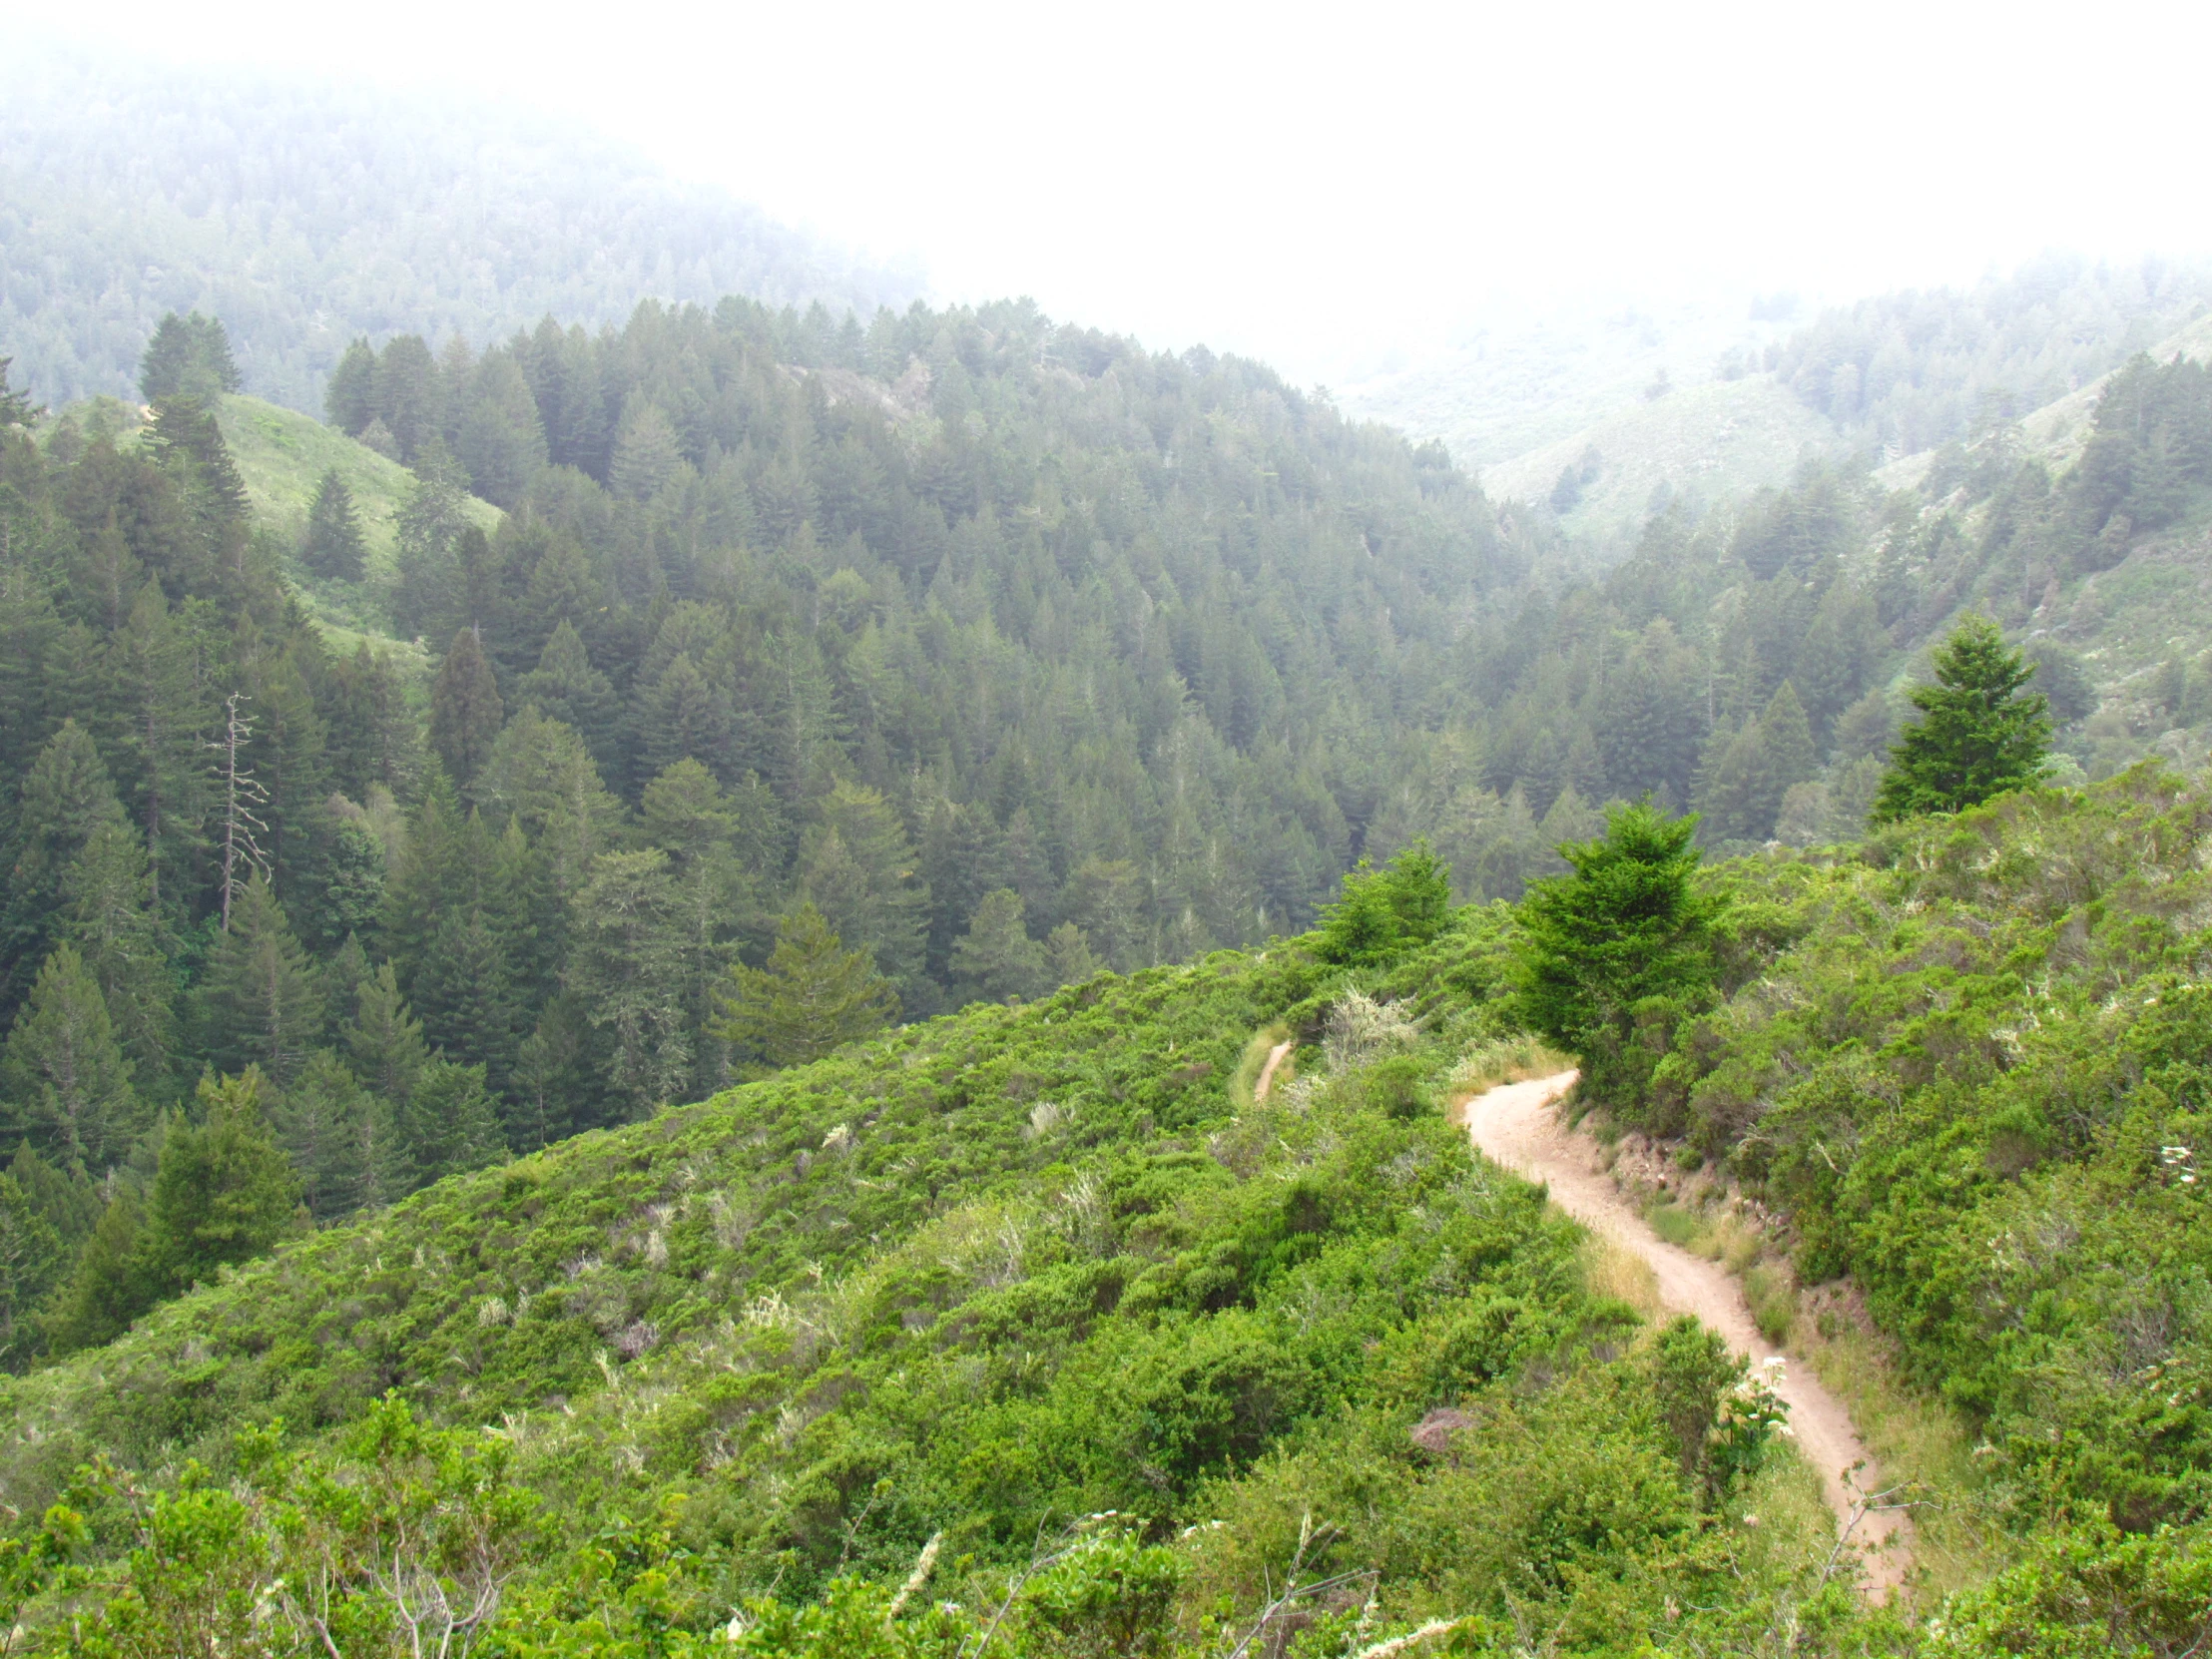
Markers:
1320,185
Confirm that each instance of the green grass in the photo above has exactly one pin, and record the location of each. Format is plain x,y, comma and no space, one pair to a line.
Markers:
283,455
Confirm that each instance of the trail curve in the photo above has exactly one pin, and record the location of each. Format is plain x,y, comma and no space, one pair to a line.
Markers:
1515,1125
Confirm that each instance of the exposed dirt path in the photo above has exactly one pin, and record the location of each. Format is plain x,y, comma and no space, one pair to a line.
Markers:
1275,1057
1515,1125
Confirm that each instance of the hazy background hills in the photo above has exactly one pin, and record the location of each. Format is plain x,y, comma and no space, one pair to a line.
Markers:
306,210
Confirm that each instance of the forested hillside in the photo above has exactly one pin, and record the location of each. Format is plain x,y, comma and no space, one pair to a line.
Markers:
302,213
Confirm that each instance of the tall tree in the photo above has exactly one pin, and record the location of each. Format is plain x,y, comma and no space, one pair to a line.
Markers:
64,1076
334,545
115,924
465,710
627,972
1614,952
997,959
223,1190
65,797
350,400
189,357
240,800
261,999
813,995
1980,733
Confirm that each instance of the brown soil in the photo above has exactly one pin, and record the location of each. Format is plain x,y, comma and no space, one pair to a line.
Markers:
1275,1057
1515,1125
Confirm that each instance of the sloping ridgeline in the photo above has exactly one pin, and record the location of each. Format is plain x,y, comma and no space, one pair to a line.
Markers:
988,1276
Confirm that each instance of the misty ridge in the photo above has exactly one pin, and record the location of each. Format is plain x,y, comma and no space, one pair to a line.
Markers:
699,954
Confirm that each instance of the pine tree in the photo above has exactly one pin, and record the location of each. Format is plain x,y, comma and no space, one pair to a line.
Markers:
32,1256
321,1122
112,1281
16,407
64,1076
111,920
383,1041
448,1125
1105,897
814,996
565,686
350,400
645,454
997,959
65,797
189,357
499,436
1614,952
1982,733
261,998
334,545
860,871
1785,754
157,708
223,1190
1068,958
627,972
465,710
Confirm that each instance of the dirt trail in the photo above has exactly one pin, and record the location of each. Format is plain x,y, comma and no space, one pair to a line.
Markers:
1275,1057
1515,1125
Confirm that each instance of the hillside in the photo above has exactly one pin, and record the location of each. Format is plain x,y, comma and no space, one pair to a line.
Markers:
1705,445
304,213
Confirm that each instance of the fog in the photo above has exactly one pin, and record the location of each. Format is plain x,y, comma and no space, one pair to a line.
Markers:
1343,188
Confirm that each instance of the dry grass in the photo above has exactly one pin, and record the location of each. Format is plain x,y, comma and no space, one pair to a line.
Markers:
1254,1061
1608,1270
1919,1445
1504,1060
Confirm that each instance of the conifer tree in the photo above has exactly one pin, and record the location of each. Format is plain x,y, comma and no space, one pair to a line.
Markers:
16,409
110,1282
625,969
157,708
1980,733
565,686
261,998
997,959
65,797
465,710
383,1041
1069,959
32,1257
350,400
334,545
189,357
1617,949
448,1125
240,798
65,1077
223,1190
813,995
862,872
322,1123
111,920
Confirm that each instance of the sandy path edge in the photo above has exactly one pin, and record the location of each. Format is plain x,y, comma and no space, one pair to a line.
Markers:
1514,1125
1275,1057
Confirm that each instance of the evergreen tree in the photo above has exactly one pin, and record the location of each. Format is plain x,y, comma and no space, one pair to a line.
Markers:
1617,949
322,1123
370,731
32,1257
1105,898
860,871
1982,733
189,357
1068,958
647,454
997,959
65,797
334,546
158,708
1385,912
111,920
16,409
499,437
350,400
625,969
814,996
465,710
383,1041
565,686
65,1078
223,1190
261,999
112,1281
448,1125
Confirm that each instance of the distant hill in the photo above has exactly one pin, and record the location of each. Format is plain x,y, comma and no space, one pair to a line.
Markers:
304,213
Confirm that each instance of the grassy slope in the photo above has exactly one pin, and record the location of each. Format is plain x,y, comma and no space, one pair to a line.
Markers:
1706,442
1523,386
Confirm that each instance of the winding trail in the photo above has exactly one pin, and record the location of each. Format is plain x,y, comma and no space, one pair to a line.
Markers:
1275,1057
1515,1125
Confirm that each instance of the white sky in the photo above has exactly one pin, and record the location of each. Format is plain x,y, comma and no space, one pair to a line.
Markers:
1316,185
